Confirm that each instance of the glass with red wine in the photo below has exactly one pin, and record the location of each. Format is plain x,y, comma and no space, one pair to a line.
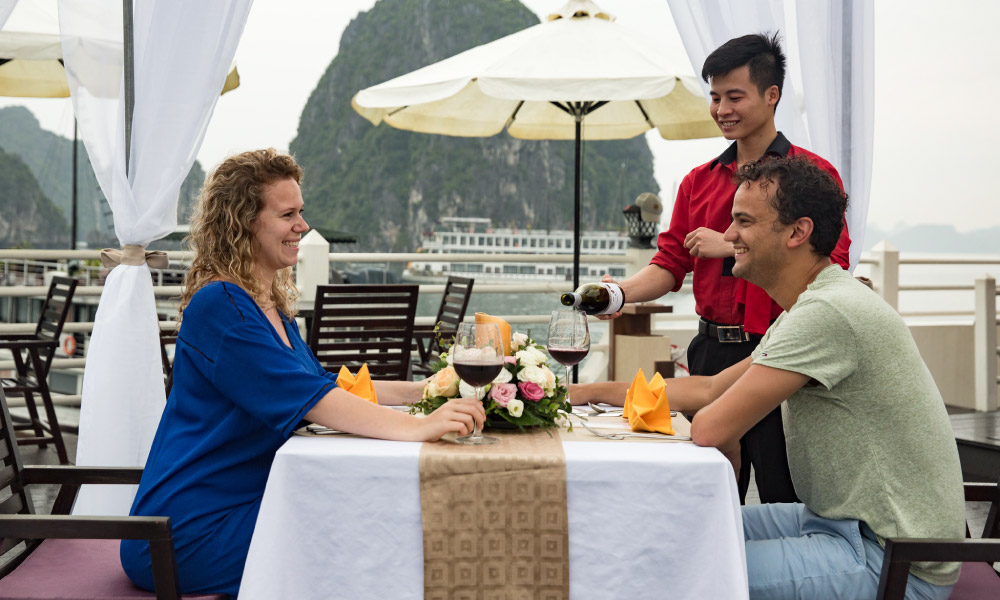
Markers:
569,339
478,358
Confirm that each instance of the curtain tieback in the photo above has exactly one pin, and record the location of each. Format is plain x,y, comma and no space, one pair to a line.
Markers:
133,254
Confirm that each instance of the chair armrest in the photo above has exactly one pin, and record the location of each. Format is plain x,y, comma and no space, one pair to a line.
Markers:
70,475
27,343
982,492
900,552
77,527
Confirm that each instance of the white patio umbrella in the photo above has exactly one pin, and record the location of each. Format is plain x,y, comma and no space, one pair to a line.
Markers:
578,76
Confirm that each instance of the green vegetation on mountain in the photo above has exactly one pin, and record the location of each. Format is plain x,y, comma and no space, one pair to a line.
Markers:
50,159
388,186
28,219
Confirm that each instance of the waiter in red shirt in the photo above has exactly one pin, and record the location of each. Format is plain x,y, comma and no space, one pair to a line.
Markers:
746,76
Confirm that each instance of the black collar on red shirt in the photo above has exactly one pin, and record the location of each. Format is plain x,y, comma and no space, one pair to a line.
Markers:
779,147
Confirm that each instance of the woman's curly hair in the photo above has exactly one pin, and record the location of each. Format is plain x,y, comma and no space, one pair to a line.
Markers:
222,228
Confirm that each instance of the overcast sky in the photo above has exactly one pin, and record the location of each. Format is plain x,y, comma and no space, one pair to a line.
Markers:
935,78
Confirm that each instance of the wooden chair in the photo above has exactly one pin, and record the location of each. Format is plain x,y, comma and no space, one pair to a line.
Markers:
65,557
978,579
32,356
167,339
455,301
354,324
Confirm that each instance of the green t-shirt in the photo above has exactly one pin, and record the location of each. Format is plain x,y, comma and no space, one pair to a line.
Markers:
868,438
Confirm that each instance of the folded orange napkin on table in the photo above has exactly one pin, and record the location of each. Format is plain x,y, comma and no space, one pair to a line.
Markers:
504,327
360,385
646,405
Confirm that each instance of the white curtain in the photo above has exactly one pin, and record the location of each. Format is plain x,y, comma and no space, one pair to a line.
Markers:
182,49
836,60
6,7
837,54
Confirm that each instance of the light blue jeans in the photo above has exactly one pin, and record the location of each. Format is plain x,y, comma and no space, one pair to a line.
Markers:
794,553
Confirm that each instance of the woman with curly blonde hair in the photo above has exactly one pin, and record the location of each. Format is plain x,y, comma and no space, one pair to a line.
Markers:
244,379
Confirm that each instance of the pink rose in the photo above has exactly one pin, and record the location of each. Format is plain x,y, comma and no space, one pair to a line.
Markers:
502,393
510,360
531,391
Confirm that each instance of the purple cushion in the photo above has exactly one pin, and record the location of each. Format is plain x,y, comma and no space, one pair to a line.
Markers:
977,581
76,569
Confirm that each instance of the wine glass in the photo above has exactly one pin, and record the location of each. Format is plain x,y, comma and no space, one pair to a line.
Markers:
569,339
477,357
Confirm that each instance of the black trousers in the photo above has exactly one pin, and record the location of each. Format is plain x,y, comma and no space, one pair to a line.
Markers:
764,445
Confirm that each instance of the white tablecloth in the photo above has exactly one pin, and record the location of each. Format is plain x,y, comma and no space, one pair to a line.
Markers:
341,519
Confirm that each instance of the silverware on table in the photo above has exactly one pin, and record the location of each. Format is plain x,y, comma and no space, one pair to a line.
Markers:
621,435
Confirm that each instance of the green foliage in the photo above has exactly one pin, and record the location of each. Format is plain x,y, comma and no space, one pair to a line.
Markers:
389,186
29,219
50,159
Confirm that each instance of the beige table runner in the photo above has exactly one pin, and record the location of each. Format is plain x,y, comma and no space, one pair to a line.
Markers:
494,519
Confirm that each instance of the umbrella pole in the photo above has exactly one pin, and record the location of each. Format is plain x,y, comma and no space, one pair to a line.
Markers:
578,117
72,239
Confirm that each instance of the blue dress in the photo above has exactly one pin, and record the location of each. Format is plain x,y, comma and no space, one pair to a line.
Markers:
238,393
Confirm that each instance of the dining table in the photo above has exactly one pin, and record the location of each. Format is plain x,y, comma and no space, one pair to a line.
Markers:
647,518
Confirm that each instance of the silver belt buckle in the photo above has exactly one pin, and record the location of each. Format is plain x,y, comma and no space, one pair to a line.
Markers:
730,333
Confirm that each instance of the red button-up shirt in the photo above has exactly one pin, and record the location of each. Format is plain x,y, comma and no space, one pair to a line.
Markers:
705,199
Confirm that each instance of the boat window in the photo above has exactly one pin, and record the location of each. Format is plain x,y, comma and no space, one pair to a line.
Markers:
534,243
512,269
616,272
526,269
475,268
480,240
560,270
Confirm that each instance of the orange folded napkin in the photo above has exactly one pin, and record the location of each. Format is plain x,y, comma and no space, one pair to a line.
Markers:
504,327
360,385
646,405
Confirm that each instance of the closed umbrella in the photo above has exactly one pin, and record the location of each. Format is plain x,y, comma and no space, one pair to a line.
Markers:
577,76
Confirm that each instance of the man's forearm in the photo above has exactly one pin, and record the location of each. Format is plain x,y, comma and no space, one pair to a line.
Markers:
686,394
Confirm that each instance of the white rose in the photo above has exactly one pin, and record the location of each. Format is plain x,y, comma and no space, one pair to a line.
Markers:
504,377
518,340
531,356
447,357
515,407
467,391
533,374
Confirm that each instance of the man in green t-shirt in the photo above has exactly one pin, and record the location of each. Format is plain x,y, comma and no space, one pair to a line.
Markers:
871,452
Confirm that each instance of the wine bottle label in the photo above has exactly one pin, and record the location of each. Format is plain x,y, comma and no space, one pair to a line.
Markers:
616,299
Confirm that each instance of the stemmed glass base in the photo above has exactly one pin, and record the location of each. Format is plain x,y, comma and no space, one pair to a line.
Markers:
476,438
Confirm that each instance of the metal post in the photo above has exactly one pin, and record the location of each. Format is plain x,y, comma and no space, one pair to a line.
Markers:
885,273
129,42
847,90
984,337
578,117
73,237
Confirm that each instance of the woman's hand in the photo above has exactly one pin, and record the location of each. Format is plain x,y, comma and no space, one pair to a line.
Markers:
458,415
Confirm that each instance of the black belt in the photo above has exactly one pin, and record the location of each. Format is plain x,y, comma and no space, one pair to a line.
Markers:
726,334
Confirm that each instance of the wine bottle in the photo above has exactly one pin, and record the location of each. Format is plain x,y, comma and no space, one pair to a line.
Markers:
596,298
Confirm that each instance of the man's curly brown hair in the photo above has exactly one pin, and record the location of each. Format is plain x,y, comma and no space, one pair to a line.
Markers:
222,228
803,190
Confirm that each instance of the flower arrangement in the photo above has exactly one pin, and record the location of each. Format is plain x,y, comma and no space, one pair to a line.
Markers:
526,393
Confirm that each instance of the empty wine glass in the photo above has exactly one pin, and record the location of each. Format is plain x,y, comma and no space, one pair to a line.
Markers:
569,339
477,357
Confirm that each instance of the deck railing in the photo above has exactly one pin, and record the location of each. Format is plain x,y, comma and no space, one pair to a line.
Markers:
23,274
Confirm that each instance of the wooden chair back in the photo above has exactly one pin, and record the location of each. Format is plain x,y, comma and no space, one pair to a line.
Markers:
457,292
354,324
167,339
454,303
12,489
51,321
